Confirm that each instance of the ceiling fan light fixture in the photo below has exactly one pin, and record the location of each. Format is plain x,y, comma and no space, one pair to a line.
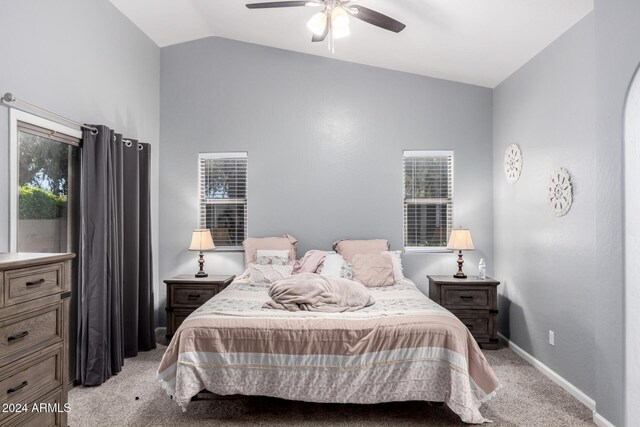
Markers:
339,17
340,23
341,31
317,23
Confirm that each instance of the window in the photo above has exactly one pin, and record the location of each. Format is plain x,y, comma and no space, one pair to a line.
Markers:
44,190
223,197
428,199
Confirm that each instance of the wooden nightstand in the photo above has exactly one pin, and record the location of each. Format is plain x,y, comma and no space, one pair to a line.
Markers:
185,293
473,301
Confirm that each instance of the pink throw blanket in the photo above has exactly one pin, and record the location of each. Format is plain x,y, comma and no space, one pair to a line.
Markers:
310,262
313,292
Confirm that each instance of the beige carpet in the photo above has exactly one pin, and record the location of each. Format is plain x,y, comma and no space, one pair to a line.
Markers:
135,398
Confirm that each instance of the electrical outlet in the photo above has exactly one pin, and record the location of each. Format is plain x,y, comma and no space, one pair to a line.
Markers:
552,338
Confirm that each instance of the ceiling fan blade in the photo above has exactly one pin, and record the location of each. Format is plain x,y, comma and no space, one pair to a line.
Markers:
376,18
272,4
321,37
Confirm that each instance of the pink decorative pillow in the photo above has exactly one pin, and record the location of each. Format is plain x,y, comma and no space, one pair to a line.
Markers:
252,244
348,248
373,270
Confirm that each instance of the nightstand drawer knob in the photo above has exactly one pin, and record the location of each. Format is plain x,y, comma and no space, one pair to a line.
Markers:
466,297
193,297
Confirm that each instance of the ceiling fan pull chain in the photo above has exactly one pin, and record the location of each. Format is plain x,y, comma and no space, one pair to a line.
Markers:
332,42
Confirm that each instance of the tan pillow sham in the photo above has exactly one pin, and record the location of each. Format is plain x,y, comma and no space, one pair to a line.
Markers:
373,270
349,248
252,244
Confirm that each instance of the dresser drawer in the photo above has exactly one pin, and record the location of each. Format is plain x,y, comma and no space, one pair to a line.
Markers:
49,412
30,377
30,332
192,297
462,298
26,284
480,326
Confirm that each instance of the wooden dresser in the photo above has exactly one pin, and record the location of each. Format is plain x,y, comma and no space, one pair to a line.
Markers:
34,338
185,293
473,301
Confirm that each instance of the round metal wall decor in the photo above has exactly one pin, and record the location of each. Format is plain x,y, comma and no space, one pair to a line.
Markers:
512,163
560,197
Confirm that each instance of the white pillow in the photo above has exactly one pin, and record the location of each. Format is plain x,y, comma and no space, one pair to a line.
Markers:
396,263
269,252
332,265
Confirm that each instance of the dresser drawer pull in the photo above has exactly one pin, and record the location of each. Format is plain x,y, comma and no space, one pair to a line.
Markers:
35,282
193,297
466,297
18,336
18,387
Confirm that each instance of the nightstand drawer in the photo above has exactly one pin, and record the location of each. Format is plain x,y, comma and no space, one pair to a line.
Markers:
175,319
480,326
192,297
461,298
185,293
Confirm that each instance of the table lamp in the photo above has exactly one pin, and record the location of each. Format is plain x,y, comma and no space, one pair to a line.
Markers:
201,241
460,240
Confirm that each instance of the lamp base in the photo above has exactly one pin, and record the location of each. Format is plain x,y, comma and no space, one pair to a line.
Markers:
201,272
460,274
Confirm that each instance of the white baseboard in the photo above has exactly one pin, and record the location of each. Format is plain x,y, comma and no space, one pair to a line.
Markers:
601,421
598,419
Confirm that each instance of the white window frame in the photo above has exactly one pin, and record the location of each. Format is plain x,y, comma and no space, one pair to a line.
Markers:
224,155
426,153
16,116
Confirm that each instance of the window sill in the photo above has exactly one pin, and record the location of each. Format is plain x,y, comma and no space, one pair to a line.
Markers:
427,251
228,249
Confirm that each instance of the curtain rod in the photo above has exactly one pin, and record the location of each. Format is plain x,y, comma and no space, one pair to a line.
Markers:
8,98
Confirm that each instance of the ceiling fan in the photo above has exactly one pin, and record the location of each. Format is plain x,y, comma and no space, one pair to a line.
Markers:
333,20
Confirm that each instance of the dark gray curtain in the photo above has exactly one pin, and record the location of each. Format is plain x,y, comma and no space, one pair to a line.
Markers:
115,301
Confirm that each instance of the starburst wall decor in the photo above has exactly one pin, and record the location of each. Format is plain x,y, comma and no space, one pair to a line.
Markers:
560,195
512,163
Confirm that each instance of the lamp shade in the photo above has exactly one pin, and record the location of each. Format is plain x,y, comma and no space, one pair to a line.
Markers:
201,240
460,239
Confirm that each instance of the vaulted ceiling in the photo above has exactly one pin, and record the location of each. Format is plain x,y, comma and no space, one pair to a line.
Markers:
479,42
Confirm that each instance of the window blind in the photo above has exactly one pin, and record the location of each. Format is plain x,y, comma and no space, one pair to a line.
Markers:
223,197
428,199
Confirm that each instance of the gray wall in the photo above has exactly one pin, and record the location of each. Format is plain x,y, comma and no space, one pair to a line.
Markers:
565,108
618,55
324,140
547,263
82,59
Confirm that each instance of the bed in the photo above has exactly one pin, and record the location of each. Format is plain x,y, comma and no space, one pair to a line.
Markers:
404,347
